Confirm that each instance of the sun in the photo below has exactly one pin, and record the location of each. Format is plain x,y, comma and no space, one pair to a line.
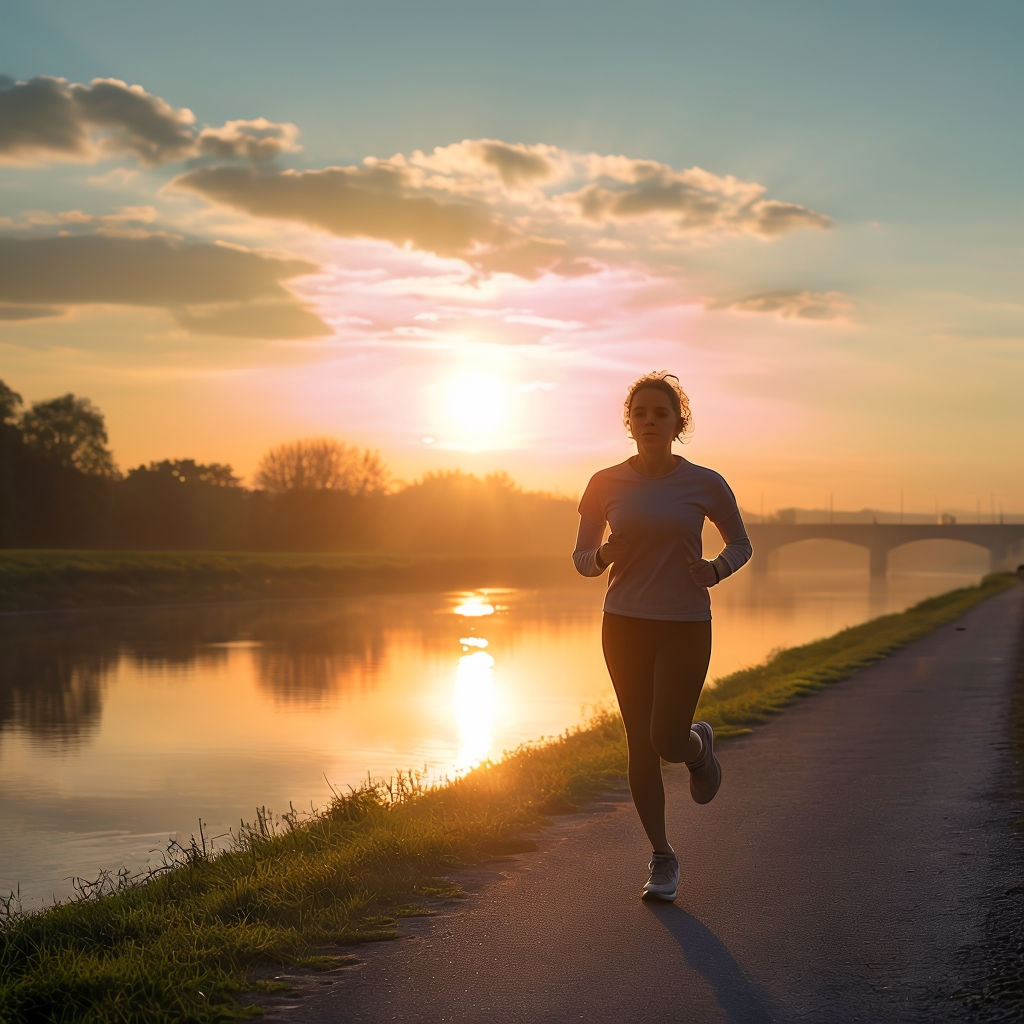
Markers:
473,408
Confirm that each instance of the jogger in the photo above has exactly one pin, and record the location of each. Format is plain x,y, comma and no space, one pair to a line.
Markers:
656,632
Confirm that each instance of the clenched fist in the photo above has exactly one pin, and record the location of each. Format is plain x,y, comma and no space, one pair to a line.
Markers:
702,572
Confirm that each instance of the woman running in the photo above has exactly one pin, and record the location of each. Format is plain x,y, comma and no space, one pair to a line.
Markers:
656,632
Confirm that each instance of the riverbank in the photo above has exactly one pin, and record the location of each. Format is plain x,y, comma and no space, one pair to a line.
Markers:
180,946
33,580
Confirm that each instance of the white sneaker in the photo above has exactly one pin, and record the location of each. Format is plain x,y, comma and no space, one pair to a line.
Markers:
664,880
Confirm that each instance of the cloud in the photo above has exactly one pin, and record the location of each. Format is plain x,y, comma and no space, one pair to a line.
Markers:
773,218
799,305
377,200
48,118
38,117
691,200
52,118
499,208
465,166
515,164
253,320
255,140
72,270
137,121
116,179
517,209
16,312
126,220
529,257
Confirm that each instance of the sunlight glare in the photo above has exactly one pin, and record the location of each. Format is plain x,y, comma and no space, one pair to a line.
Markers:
475,701
473,410
474,606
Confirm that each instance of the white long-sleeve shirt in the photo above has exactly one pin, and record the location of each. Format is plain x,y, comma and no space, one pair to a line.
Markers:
662,519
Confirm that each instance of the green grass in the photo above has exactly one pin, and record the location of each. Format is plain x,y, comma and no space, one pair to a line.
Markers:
182,945
34,580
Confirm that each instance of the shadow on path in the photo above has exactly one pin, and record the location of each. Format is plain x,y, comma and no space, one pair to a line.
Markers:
741,1000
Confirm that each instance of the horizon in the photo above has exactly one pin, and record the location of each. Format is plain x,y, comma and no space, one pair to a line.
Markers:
279,238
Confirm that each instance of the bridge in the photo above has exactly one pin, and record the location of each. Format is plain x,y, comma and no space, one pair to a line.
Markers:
999,539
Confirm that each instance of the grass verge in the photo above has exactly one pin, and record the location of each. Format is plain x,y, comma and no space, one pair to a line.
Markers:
44,580
181,946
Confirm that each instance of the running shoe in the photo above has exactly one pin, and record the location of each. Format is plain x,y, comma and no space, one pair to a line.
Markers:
705,772
664,878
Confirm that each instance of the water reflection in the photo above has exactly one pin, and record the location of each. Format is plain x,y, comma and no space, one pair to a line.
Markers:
474,699
474,606
55,669
51,684
307,657
474,702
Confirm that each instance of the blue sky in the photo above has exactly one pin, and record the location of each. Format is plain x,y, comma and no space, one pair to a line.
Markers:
884,338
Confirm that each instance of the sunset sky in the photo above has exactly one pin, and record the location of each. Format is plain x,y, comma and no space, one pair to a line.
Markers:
456,231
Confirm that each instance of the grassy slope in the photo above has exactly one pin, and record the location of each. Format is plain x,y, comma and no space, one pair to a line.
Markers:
178,947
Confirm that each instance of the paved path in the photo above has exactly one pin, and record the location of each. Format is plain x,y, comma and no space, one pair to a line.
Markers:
832,880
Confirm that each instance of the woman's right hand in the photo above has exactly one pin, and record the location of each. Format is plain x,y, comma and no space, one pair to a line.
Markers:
613,548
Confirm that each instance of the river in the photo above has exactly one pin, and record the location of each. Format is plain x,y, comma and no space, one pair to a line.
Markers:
121,729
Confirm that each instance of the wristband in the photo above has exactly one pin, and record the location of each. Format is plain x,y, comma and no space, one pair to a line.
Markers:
714,565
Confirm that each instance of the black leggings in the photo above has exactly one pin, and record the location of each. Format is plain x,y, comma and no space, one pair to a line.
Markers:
658,670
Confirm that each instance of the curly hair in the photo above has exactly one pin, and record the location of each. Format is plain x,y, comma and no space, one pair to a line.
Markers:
669,384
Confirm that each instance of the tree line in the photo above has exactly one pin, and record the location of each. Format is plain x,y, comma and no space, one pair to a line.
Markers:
60,487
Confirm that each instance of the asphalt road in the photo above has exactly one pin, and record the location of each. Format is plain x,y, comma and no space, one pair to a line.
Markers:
832,880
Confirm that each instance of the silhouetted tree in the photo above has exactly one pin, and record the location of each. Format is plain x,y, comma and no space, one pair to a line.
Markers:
10,449
55,473
456,512
321,464
181,503
318,494
10,445
188,471
71,432
10,403
51,505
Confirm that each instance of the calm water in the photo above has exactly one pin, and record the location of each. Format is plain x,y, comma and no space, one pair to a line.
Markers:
120,729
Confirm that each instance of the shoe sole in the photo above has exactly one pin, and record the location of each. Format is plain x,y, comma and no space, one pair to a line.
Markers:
650,896
707,736
660,891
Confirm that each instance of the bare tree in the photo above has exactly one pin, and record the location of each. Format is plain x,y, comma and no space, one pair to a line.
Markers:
321,464
71,431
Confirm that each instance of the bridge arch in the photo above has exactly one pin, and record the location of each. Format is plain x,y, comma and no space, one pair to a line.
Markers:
956,553
813,552
1003,542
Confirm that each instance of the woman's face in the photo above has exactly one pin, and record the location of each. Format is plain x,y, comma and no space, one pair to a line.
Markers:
653,421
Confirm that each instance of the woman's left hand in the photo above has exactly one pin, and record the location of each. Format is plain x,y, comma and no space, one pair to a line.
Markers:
702,572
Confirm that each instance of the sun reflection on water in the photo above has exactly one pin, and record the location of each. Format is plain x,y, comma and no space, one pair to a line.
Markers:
474,606
475,695
474,702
